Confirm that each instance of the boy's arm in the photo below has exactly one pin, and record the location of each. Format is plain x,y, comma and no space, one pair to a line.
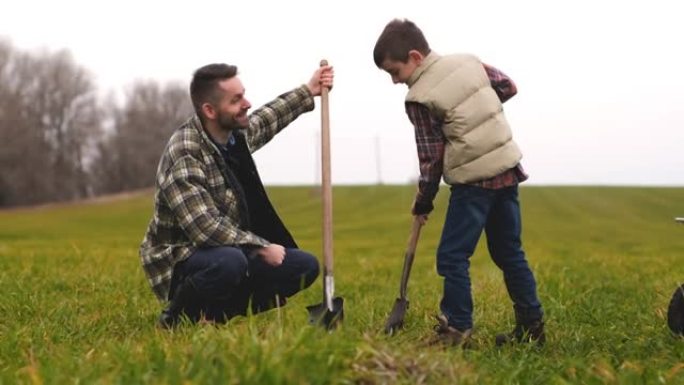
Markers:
502,84
430,145
269,119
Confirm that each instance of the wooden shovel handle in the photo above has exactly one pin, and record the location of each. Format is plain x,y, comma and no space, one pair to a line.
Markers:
326,188
410,254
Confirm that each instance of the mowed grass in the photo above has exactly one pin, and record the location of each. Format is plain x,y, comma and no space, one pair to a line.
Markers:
75,307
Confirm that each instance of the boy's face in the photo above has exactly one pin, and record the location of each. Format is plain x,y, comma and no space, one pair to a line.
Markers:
400,71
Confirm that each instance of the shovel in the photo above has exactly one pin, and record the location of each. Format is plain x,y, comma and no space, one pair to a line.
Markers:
396,318
331,312
675,311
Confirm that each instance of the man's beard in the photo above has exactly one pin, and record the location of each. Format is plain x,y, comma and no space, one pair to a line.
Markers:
228,123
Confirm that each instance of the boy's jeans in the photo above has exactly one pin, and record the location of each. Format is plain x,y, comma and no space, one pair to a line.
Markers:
472,209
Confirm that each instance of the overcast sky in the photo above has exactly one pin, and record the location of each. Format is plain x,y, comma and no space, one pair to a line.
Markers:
600,85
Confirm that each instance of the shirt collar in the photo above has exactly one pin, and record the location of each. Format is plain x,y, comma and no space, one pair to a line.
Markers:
429,60
197,123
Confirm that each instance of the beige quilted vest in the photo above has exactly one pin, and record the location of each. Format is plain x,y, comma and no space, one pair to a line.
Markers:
457,90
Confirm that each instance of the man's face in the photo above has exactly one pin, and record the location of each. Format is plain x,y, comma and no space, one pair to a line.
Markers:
399,71
232,107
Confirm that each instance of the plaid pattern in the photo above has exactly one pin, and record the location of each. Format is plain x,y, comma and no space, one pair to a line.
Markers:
196,205
502,84
430,144
507,178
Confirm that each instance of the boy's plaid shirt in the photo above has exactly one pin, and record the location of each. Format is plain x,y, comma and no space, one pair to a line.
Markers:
195,203
430,143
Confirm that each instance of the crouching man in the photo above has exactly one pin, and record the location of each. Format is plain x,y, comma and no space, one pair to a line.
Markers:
215,243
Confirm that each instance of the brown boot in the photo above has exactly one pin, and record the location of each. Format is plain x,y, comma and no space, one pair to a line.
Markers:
449,335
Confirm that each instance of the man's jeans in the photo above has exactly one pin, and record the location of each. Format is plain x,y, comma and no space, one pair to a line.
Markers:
222,281
497,212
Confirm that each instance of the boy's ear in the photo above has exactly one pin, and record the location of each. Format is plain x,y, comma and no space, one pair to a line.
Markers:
416,56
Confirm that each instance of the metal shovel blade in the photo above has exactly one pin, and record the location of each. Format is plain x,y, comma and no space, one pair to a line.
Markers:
675,312
395,320
328,318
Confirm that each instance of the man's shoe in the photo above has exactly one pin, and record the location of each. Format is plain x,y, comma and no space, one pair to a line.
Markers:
168,319
449,335
171,316
524,333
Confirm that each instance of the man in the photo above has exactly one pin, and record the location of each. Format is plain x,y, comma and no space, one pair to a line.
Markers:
215,242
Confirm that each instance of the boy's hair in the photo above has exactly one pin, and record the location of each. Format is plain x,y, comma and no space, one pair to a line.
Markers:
397,39
204,85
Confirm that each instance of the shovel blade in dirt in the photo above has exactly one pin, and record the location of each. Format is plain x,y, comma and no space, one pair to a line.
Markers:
330,312
323,316
395,320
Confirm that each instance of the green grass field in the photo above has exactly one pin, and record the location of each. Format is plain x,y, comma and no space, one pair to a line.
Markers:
75,307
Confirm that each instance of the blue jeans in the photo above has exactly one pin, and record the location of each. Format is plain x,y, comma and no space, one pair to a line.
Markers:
497,212
223,281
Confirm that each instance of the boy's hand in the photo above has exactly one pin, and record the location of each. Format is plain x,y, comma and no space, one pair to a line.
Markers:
323,77
422,218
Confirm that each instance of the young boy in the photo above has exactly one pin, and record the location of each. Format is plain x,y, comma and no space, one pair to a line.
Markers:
455,105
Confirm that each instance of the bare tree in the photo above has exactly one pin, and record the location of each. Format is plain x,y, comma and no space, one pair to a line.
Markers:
129,155
23,147
65,104
48,118
52,142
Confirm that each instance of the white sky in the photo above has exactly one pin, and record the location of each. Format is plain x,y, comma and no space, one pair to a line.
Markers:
600,86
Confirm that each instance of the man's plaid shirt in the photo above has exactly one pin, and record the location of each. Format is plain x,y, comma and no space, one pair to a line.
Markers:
430,143
195,204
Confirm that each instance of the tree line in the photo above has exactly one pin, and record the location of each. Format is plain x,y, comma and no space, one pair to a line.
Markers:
60,139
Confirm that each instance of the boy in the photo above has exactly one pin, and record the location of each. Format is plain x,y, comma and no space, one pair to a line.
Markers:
455,105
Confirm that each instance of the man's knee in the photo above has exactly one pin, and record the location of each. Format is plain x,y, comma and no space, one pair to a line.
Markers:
231,268
312,270
308,267
220,268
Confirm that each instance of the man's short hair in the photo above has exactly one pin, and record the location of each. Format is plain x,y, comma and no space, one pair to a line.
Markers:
398,38
204,85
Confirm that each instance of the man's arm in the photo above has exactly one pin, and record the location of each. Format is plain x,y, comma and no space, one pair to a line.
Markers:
502,84
430,145
185,192
266,121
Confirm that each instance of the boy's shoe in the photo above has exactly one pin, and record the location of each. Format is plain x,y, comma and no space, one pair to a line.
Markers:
449,335
524,333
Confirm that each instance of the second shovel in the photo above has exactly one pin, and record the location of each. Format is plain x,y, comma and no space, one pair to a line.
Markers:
396,318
